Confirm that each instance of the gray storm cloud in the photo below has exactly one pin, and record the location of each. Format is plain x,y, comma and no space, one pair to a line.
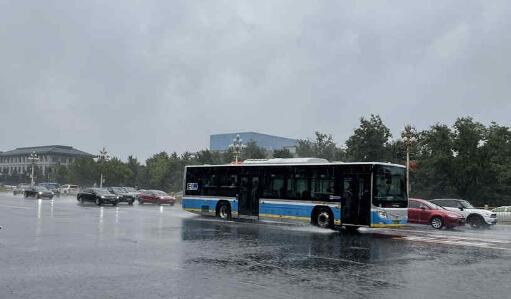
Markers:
143,76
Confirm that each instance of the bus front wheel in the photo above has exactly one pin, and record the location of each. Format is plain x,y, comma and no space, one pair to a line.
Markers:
223,210
323,218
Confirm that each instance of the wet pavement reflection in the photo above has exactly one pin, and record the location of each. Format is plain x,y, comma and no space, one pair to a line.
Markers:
61,249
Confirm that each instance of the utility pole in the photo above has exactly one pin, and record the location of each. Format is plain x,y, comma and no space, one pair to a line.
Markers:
102,158
409,136
237,145
33,158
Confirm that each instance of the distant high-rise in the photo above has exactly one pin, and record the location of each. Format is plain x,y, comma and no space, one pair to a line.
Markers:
221,142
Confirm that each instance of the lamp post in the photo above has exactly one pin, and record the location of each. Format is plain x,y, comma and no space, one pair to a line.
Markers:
33,158
237,145
409,138
102,158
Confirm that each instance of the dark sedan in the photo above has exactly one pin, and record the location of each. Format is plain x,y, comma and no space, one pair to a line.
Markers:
38,192
124,196
98,196
53,187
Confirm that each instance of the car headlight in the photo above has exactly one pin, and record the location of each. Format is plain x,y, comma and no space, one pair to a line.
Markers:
102,197
382,214
40,193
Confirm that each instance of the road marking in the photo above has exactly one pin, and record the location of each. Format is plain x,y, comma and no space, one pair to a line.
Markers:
455,241
16,207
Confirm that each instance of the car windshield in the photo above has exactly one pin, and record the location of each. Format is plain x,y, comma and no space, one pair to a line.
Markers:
158,192
101,191
117,189
130,189
390,185
41,188
434,206
466,204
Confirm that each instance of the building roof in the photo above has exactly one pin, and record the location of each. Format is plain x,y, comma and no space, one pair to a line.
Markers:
46,149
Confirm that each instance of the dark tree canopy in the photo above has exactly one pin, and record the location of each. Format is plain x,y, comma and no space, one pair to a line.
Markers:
466,160
369,141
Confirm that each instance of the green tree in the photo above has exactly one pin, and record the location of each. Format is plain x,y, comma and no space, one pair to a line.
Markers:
62,174
84,172
323,146
134,166
253,151
116,173
369,142
157,168
435,163
496,153
282,153
209,157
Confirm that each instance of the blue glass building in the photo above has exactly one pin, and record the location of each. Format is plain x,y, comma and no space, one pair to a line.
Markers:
221,142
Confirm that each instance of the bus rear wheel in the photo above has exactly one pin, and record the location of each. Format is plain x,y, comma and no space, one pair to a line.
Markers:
224,210
323,218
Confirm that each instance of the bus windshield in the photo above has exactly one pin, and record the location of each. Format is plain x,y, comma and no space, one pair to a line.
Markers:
390,186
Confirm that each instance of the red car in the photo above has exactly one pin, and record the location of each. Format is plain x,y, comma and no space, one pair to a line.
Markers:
424,212
155,196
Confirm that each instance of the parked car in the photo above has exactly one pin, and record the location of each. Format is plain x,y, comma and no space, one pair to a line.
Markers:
53,187
20,189
503,213
132,191
38,192
424,212
123,195
69,189
98,196
476,218
157,197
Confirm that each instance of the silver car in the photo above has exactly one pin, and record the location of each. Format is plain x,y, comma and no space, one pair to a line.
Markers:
503,213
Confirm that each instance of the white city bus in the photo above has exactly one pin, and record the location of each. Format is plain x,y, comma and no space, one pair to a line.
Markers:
310,190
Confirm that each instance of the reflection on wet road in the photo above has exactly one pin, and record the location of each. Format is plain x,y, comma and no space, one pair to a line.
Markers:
60,249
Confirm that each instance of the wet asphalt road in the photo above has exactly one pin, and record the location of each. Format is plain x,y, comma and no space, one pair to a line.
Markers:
60,249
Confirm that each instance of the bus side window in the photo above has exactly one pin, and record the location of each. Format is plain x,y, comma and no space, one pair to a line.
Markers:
274,183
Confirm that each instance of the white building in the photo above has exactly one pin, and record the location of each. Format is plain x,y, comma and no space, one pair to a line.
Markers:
50,157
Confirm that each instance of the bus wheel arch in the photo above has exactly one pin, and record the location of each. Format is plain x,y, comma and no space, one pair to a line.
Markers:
223,210
322,216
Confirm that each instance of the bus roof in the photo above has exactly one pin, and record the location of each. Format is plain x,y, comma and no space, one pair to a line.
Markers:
296,162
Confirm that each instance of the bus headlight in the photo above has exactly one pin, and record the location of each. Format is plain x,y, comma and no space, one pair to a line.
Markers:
382,214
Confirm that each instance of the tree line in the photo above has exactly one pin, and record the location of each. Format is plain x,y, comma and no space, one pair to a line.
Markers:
466,160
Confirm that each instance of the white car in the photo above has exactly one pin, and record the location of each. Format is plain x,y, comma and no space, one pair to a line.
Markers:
503,213
69,189
476,218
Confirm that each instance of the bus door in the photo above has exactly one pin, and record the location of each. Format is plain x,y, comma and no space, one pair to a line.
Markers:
248,197
356,199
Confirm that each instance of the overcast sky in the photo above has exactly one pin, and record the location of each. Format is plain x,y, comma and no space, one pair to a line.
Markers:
139,77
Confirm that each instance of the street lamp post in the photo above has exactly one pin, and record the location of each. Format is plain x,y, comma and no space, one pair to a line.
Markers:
102,158
409,138
237,145
33,158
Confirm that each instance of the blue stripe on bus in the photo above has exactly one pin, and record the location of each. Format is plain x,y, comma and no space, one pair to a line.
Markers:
376,219
205,205
293,211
